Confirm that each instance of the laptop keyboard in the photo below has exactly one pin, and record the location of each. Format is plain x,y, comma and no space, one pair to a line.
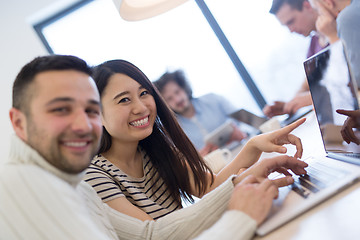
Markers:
318,177
353,155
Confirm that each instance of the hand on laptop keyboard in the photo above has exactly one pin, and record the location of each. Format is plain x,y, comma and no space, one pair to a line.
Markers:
282,164
318,177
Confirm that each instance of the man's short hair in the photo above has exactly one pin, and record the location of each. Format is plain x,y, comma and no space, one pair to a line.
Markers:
178,77
21,94
294,4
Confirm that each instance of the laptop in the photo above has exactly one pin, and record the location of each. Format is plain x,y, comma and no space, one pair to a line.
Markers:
249,118
332,87
301,112
256,122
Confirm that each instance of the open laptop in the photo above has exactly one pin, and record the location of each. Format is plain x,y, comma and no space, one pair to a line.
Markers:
301,112
256,121
249,118
329,78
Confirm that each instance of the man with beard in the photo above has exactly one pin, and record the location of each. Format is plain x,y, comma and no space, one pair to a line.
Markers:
197,116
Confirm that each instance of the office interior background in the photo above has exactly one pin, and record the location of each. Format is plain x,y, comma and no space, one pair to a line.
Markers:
178,39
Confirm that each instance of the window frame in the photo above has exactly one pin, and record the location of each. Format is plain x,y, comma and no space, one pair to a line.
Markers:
241,69
38,27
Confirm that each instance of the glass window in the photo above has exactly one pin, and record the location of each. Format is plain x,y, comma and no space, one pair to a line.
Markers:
182,39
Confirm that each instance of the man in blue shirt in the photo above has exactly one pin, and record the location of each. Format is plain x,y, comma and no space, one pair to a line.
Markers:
197,116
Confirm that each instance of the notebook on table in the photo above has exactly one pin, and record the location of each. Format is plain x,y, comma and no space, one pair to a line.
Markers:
221,135
330,78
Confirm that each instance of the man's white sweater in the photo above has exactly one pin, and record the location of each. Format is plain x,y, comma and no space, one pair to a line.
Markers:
37,201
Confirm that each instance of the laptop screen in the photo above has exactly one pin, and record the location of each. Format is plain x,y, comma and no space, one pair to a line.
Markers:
332,87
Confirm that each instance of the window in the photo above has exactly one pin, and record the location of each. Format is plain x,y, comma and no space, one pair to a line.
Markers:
182,39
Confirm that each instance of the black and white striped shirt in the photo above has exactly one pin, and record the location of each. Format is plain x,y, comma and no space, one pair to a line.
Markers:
148,193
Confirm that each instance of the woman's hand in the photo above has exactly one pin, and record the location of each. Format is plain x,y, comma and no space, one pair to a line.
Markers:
244,161
262,169
274,141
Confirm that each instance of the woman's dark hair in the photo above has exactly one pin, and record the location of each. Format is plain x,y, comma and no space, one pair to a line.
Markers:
178,77
169,149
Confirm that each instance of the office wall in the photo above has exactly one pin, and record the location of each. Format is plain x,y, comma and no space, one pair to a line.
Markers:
18,45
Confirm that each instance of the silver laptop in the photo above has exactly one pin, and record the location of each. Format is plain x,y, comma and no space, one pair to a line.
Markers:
256,121
332,87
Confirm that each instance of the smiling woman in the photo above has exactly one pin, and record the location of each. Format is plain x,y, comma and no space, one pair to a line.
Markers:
142,166
129,109
145,163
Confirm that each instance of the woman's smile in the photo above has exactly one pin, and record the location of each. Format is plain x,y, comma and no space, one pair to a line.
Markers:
143,122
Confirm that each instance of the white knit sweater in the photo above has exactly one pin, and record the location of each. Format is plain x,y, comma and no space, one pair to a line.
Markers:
37,201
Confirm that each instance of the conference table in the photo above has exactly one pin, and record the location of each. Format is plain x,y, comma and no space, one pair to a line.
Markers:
335,218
